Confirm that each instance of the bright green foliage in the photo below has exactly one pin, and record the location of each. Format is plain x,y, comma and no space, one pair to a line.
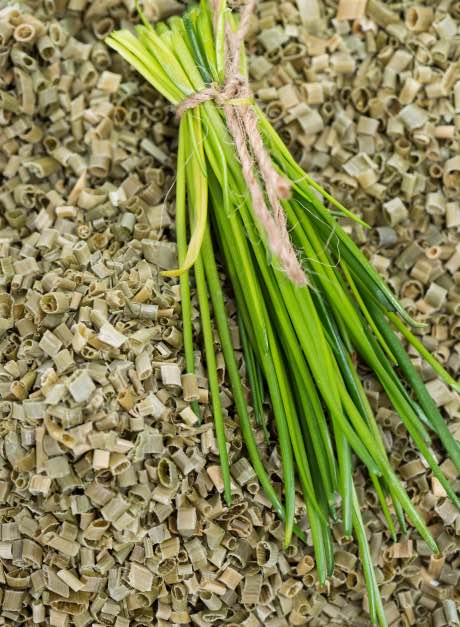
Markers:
300,343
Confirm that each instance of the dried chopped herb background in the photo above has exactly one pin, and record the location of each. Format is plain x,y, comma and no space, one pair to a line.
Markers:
110,505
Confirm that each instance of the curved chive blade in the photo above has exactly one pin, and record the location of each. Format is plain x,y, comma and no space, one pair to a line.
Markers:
181,236
255,380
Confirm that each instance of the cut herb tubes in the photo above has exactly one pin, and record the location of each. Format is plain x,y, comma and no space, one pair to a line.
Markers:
301,344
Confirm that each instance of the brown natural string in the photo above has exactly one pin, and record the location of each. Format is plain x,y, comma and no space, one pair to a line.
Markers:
241,120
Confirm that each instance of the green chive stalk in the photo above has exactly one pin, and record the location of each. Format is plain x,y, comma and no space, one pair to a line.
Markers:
300,344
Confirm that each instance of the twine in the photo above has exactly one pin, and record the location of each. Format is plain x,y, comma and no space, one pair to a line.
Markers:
235,97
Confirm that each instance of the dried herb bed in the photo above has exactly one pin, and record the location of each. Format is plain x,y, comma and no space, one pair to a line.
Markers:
111,509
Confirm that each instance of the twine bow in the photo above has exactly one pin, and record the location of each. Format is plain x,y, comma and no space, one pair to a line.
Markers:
235,97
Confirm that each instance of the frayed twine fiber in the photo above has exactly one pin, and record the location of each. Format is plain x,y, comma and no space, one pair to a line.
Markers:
235,97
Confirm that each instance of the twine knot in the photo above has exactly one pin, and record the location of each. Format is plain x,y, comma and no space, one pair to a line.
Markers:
236,99
233,92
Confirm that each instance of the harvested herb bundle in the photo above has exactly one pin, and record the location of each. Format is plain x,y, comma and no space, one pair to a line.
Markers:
303,320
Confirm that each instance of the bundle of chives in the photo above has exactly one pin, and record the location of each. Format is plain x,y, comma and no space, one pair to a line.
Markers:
299,342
